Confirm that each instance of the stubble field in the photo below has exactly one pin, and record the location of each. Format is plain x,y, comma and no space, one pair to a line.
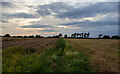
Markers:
60,55
28,42
102,53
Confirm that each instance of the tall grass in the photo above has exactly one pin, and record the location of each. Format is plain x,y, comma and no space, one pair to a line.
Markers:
61,58
75,61
18,59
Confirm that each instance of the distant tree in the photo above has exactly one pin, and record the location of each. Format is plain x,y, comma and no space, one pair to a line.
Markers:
20,36
49,37
115,37
65,36
37,36
100,36
25,36
77,34
85,35
54,36
14,36
106,37
57,36
60,35
82,35
32,36
72,35
7,35
88,34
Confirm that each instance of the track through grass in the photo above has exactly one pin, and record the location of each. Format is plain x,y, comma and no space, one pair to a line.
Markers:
61,58
102,53
74,61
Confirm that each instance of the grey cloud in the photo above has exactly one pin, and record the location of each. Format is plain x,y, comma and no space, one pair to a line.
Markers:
64,10
59,7
91,24
24,15
47,30
18,15
35,26
90,11
7,4
112,17
56,7
43,11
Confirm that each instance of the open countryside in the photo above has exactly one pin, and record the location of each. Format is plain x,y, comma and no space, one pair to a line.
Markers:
60,55
66,36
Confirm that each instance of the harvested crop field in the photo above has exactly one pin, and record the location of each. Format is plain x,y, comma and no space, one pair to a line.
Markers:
31,43
60,55
102,53
61,58
11,38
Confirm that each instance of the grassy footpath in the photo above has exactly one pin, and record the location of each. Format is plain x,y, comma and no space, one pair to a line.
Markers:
73,61
61,58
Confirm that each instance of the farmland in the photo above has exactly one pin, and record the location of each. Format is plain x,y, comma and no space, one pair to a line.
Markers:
29,42
60,55
102,53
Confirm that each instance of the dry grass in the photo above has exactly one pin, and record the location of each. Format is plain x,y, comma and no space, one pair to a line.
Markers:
102,53
36,43
10,38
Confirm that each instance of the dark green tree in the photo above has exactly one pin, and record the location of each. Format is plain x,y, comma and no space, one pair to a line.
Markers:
65,36
7,35
106,37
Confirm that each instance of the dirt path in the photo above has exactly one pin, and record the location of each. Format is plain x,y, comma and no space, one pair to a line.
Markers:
101,60
32,43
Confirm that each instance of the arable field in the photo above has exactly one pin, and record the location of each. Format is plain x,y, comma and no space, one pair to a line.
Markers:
59,58
22,55
29,42
60,55
102,53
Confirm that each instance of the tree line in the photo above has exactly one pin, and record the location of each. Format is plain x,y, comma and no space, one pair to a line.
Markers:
31,36
74,35
80,35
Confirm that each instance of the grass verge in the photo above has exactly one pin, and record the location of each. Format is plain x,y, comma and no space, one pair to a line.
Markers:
74,61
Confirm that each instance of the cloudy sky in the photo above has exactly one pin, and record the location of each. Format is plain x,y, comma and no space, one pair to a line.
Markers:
51,18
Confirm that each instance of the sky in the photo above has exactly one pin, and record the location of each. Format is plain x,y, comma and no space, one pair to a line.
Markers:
51,18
